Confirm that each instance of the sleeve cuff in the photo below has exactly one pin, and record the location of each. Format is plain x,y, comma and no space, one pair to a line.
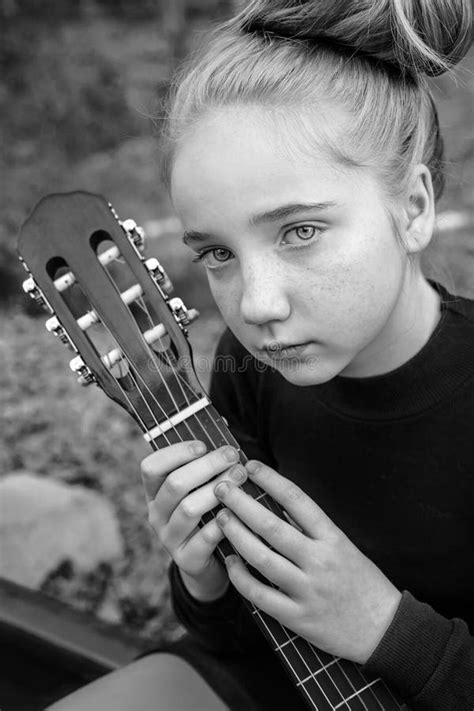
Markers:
222,608
411,648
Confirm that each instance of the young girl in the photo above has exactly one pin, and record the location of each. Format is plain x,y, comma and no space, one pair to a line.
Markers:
304,159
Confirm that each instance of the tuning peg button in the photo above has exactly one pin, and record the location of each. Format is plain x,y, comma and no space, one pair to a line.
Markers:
135,233
182,315
53,326
85,374
159,275
31,288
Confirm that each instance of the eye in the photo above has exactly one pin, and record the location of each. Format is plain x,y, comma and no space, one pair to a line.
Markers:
303,233
214,257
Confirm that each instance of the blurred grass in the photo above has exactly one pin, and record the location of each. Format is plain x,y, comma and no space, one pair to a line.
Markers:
76,102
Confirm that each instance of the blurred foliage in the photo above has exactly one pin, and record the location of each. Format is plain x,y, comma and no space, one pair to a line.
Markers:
78,79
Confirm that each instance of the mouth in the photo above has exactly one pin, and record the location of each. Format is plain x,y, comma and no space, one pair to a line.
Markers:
279,351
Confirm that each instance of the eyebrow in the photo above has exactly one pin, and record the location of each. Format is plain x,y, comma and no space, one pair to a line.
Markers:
278,213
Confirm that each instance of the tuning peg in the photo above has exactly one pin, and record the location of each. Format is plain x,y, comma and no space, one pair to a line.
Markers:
159,275
53,326
182,315
135,233
85,374
31,288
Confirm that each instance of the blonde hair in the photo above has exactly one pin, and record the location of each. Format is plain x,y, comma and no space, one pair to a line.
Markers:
368,56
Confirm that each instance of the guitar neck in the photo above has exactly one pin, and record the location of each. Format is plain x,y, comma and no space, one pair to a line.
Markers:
325,682
73,244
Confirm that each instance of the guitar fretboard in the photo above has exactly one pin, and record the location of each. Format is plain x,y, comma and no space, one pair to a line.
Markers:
325,682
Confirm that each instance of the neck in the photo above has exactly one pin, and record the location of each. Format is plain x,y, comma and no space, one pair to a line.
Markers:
409,327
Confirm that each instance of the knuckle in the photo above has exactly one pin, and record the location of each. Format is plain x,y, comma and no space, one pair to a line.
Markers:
293,493
263,561
174,486
188,508
209,533
270,525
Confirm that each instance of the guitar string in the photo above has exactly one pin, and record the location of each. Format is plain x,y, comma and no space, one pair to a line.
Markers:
263,621
342,699
212,442
337,661
210,438
175,373
142,304
266,626
130,372
313,650
180,380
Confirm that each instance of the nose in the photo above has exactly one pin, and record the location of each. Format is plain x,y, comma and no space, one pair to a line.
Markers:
264,298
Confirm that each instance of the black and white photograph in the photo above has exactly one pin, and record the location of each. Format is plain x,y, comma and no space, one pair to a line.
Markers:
237,355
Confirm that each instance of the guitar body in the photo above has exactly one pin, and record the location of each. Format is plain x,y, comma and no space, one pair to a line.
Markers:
112,307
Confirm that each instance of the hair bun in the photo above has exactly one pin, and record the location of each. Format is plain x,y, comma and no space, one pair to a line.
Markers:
418,36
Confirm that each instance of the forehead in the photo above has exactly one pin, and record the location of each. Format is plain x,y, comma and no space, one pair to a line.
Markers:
238,157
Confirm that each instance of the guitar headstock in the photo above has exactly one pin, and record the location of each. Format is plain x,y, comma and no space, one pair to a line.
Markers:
111,305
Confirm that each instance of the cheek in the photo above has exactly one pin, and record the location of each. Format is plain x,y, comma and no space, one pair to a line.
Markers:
357,281
226,293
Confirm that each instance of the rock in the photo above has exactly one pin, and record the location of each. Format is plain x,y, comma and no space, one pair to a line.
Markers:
44,523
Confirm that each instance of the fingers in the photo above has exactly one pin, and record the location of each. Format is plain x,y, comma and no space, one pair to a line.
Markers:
299,506
273,566
176,470
156,467
267,599
191,509
195,553
282,536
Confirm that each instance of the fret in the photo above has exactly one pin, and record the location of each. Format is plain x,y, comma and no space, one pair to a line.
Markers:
288,641
279,634
353,674
312,672
326,682
357,694
377,696
386,699
371,699
315,674
355,704
342,681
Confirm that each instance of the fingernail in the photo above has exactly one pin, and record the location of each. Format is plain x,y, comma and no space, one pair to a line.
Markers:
197,448
231,560
237,473
222,517
221,489
230,454
253,467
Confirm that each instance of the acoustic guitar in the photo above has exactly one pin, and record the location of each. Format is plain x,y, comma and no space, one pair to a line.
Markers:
112,307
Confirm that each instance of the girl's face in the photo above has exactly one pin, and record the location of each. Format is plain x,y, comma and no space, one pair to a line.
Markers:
298,250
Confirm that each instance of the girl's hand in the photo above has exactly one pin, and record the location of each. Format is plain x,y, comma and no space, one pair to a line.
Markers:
179,490
326,590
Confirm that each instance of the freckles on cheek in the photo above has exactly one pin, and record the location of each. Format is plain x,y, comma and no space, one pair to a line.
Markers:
226,297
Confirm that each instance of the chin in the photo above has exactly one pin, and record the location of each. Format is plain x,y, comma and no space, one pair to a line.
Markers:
303,373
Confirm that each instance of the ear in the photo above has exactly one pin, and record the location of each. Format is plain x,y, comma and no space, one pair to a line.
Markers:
419,211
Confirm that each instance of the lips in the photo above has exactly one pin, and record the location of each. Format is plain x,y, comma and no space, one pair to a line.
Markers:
277,351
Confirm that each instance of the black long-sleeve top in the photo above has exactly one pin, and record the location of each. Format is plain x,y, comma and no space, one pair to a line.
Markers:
390,458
